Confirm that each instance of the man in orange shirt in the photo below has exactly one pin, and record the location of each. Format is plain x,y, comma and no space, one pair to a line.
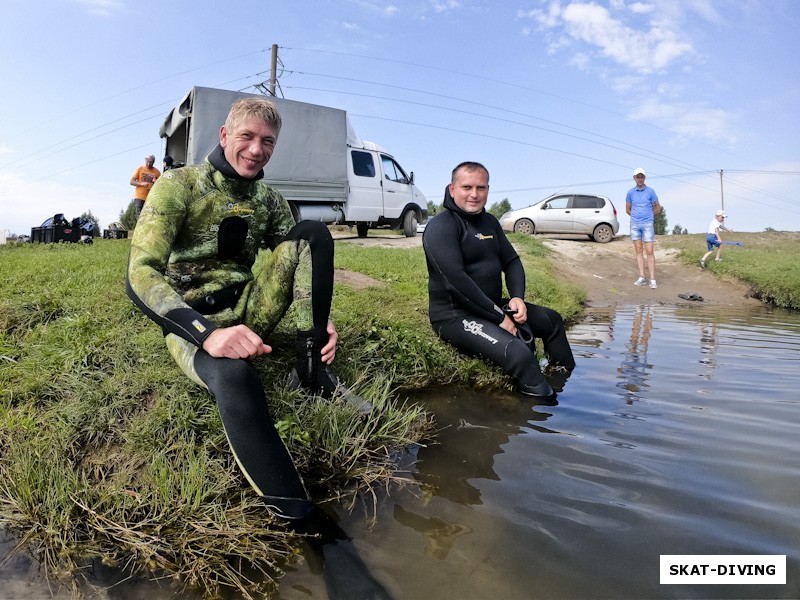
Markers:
143,179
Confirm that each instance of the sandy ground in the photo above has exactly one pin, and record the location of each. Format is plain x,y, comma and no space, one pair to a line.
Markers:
605,271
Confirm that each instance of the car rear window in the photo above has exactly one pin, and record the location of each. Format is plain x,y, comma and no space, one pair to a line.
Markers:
588,202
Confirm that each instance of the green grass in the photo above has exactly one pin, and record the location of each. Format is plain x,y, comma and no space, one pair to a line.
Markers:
768,262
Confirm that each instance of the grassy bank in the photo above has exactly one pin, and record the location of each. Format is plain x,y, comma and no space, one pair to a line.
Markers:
108,452
769,262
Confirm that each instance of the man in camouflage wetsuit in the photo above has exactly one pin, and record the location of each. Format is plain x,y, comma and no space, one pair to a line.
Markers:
191,270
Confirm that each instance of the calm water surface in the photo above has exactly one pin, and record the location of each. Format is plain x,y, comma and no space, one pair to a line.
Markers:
677,434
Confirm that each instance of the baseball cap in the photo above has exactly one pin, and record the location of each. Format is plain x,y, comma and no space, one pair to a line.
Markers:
639,171
721,213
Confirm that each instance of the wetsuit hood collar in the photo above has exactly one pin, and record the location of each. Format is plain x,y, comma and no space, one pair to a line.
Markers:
221,164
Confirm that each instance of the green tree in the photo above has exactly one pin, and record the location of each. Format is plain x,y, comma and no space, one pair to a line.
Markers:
88,216
678,230
127,217
498,209
660,223
434,209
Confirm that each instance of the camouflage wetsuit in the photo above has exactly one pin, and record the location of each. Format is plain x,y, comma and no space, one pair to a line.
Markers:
190,270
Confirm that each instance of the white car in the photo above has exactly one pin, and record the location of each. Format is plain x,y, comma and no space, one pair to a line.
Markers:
594,216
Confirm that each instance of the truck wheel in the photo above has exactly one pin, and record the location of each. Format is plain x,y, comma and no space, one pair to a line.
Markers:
410,224
362,229
603,233
524,226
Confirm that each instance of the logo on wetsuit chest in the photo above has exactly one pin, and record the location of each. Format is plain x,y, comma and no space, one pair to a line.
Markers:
476,328
482,237
236,208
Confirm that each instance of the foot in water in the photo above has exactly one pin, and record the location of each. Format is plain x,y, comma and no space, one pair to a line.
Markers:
330,551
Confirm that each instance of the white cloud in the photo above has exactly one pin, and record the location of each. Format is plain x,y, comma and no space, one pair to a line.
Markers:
694,121
6,149
439,6
102,8
642,51
641,8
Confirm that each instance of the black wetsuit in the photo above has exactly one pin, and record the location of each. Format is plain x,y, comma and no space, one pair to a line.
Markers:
467,256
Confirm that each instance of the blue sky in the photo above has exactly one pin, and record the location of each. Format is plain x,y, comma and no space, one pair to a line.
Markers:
551,96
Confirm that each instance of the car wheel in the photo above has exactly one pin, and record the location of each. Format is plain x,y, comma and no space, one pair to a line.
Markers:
603,233
362,229
410,224
524,226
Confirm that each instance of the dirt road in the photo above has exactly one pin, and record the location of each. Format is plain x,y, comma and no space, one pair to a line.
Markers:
607,271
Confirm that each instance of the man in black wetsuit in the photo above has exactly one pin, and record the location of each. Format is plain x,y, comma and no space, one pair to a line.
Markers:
468,254
191,270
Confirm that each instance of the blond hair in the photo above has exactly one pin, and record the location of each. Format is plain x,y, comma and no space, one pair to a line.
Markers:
259,108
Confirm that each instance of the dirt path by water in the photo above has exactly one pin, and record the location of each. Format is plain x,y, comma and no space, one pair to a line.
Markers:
605,271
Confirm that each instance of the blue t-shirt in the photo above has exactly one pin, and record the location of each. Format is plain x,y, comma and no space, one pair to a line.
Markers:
641,202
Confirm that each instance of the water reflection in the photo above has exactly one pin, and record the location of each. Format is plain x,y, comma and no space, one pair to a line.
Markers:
709,344
633,371
473,428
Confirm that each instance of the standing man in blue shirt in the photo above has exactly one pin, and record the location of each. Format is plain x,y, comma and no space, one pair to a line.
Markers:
642,205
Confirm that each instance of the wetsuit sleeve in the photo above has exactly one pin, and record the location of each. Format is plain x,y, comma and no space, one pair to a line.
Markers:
443,252
512,266
151,247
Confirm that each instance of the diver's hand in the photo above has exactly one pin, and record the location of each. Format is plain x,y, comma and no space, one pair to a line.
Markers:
238,341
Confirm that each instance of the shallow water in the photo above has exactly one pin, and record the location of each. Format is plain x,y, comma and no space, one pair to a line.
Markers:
677,434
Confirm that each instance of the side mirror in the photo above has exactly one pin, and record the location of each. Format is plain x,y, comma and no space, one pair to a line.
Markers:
411,178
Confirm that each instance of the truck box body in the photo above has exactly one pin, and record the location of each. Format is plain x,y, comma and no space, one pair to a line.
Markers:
321,167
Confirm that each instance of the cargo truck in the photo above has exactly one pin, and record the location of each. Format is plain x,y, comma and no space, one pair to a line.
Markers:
321,167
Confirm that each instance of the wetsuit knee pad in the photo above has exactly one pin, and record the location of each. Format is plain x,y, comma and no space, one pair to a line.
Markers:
315,233
320,243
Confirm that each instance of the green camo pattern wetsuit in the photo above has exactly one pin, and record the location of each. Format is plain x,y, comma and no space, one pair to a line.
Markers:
180,253
190,269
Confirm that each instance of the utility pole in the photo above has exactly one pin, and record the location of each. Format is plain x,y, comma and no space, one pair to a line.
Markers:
273,72
721,194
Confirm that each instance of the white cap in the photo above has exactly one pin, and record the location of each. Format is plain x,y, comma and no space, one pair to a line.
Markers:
721,213
639,171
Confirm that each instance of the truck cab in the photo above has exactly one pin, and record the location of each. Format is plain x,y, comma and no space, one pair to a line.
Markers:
376,179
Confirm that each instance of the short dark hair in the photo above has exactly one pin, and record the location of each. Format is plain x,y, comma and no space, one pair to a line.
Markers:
168,160
468,166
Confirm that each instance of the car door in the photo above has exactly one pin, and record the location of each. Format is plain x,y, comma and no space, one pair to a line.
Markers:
586,212
555,215
397,192
365,200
